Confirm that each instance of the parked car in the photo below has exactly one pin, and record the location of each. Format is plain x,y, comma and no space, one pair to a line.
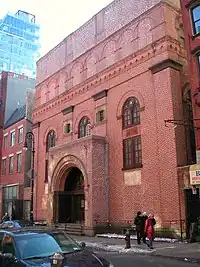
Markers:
16,224
26,248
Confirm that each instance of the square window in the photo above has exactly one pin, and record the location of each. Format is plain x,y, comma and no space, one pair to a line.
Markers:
100,116
67,128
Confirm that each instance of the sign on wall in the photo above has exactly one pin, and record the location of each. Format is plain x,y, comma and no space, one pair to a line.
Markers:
195,174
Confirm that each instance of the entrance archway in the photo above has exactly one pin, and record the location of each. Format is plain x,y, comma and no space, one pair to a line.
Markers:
71,200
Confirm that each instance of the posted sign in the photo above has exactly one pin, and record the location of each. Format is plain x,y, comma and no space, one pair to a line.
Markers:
195,175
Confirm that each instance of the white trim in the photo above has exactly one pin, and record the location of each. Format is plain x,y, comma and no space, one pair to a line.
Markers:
6,134
19,152
4,158
10,185
21,126
12,131
11,155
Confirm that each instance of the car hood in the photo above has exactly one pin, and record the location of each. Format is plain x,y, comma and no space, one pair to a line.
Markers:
82,258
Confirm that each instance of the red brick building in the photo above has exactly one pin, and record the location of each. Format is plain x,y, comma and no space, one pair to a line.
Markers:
103,151
15,162
191,22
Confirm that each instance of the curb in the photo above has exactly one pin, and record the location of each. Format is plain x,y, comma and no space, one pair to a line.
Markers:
134,238
186,260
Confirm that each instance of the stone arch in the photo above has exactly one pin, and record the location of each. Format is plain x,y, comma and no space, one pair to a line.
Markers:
109,48
52,88
145,34
43,93
123,99
90,64
126,37
76,73
62,167
84,113
61,81
46,133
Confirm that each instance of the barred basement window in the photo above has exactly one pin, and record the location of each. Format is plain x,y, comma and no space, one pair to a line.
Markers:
100,116
132,153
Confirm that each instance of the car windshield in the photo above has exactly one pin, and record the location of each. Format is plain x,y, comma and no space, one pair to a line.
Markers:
44,245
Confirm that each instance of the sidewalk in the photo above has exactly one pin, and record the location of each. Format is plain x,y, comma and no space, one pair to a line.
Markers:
180,251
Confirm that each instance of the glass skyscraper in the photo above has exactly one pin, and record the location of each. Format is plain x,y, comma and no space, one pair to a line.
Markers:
19,43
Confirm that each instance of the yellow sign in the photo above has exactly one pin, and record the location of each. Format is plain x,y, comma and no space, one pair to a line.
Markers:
195,174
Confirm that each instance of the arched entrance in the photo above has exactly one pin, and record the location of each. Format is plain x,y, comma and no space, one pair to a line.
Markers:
71,200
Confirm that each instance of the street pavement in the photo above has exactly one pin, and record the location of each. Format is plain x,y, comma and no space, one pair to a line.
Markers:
178,251
132,260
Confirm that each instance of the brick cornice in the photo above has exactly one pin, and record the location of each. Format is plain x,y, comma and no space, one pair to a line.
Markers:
167,63
68,110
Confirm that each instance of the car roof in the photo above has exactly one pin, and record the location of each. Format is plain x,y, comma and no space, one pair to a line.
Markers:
28,232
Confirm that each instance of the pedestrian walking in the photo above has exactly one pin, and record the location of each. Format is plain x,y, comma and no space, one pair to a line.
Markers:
138,222
149,230
5,217
144,217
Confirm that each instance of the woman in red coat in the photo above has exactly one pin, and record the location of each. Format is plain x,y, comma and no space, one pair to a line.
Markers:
149,230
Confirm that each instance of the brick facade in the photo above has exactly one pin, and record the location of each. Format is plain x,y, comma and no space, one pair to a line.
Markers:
142,58
192,44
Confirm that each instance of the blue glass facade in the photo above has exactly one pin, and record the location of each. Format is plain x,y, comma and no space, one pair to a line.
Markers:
19,43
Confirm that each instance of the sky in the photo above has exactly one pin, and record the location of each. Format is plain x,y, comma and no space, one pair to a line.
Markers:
57,18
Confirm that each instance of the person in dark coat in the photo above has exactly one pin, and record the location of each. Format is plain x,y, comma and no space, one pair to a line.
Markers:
144,217
138,222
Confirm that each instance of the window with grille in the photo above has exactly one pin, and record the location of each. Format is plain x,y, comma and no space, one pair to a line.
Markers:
131,113
51,140
100,116
132,153
84,127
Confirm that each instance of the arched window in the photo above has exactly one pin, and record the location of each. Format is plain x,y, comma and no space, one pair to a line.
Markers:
131,112
51,140
84,127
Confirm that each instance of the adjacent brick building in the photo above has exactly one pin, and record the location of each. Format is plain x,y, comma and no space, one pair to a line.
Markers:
102,96
15,162
191,22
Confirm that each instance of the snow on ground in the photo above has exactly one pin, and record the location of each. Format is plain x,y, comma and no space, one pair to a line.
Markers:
117,248
133,237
